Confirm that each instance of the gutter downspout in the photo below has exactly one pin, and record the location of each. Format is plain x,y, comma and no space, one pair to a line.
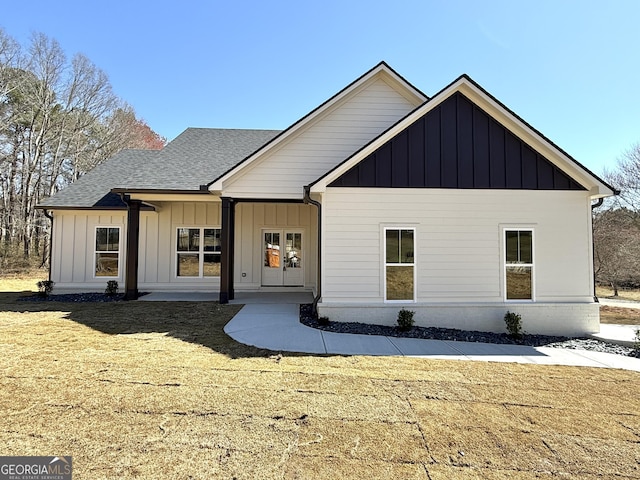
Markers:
593,247
50,217
308,200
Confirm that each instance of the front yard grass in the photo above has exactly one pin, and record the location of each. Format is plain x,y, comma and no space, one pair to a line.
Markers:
623,294
619,315
157,390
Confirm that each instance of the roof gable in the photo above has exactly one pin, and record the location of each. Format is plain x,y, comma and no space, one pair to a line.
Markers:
382,71
498,113
456,145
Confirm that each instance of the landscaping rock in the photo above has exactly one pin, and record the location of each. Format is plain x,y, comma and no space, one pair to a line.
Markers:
434,333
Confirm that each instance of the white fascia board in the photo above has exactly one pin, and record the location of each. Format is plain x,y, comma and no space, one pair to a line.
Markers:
173,197
382,70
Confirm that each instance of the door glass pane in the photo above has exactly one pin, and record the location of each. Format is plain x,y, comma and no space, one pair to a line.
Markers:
293,250
400,283
272,249
211,265
519,283
188,265
393,246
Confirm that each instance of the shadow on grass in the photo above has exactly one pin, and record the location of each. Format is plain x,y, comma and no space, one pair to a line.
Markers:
200,323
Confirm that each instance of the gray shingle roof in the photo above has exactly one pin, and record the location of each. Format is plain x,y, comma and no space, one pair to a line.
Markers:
93,189
195,157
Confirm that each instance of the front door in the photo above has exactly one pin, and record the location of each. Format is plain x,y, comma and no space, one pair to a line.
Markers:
282,263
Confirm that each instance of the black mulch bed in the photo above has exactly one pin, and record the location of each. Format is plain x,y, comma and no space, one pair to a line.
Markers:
434,333
74,297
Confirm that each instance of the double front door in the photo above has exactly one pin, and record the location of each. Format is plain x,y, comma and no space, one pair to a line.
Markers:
283,261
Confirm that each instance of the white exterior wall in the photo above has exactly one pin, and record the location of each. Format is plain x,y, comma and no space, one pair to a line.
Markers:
459,256
322,145
157,252
251,219
74,243
73,253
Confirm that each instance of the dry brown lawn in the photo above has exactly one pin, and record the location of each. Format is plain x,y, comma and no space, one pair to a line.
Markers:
619,315
157,390
623,294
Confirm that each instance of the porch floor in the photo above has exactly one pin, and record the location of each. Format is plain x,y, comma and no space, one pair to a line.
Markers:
244,298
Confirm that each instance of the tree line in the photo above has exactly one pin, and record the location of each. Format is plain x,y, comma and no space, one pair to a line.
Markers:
616,226
59,118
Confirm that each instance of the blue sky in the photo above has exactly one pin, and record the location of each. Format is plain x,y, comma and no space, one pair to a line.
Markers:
568,67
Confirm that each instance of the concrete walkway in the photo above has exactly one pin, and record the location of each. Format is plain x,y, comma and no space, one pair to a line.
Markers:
276,326
270,320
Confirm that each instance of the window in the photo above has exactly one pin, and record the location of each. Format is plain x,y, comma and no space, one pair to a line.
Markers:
107,258
399,273
518,264
198,252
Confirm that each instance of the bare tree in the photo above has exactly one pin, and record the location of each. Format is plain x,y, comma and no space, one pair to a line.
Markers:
616,247
58,120
626,177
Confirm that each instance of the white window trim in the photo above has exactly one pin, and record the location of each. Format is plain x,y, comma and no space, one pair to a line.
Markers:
532,264
96,252
385,264
201,253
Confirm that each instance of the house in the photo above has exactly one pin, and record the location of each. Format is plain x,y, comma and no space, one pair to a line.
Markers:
380,198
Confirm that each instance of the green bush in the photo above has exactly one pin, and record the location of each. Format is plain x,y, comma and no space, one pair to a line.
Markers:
514,324
636,345
112,288
45,287
405,319
323,320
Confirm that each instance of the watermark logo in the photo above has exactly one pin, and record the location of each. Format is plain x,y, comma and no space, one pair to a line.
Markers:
35,468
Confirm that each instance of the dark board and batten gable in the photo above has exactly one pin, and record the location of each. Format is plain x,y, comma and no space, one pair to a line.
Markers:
456,145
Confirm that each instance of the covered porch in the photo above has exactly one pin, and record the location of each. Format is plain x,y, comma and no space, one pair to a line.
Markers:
230,245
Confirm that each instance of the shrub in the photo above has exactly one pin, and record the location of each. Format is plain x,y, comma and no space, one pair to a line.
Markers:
323,320
405,319
636,345
112,288
45,287
514,324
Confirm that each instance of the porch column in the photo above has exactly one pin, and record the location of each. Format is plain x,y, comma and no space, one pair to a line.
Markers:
133,235
226,260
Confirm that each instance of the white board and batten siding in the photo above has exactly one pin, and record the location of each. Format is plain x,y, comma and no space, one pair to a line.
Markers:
322,145
73,259
73,255
157,257
252,219
459,255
